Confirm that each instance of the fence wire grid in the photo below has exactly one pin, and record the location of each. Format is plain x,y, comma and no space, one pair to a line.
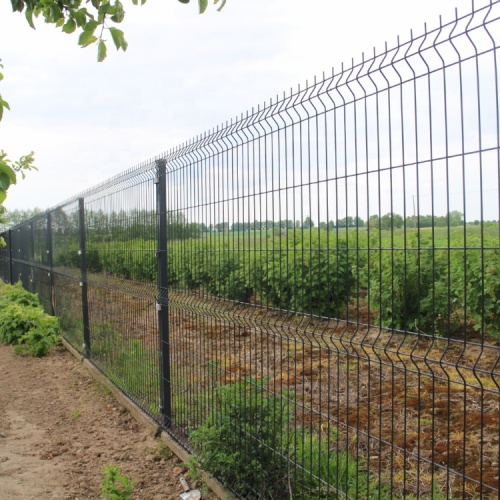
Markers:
307,298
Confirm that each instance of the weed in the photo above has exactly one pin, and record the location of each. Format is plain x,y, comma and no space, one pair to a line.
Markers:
115,485
75,414
162,451
102,389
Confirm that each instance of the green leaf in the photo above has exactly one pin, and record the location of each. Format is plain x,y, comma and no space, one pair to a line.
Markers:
203,5
60,22
118,38
86,38
80,17
70,26
29,17
91,26
101,51
119,14
4,181
3,195
17,5
3,104
221,5
184,1
5,169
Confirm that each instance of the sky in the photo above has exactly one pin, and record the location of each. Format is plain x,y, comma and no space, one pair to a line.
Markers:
183,74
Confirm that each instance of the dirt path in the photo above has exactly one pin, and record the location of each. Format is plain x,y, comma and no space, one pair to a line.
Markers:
58,428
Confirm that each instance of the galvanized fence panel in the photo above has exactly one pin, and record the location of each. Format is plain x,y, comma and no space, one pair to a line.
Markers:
307,297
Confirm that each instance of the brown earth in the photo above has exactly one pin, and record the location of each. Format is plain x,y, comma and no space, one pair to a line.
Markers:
59,428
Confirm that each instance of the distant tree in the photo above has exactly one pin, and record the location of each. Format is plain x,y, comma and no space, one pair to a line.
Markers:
222,227
308,223
9,218
455,218
373,222
391,221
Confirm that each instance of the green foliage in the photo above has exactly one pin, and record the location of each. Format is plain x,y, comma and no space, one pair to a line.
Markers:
308,275
241,440
23,321
129,363
115,485
475,282
248,442
437,287
9,168
218,269
89,19
16,294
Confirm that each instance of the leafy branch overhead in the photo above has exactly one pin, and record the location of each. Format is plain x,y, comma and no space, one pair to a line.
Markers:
90,19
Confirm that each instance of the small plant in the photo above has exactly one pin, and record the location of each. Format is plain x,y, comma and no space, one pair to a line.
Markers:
75,414
162,451
115,485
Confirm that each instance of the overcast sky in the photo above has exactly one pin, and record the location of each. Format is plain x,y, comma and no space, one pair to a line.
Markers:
182,74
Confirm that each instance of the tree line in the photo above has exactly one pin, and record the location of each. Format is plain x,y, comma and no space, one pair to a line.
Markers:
142,224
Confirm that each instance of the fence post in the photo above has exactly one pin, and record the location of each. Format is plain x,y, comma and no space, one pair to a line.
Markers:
162,301
51,264
11,267
83,283
31,255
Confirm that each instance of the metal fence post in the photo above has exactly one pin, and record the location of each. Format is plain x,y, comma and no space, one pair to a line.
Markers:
162,302
51,264
31,256
83,283
11,268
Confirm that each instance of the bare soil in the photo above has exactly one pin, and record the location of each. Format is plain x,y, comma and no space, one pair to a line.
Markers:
59,428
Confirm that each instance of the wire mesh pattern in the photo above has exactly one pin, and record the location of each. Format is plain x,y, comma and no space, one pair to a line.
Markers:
308,297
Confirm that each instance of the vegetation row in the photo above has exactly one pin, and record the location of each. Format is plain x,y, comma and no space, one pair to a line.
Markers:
433,283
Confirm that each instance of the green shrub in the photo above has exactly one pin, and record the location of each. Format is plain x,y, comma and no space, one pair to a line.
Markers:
16,294
475,284
249,443
219,270
307,279
23,321
241,440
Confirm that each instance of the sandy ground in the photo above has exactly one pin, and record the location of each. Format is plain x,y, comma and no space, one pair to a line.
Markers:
59,428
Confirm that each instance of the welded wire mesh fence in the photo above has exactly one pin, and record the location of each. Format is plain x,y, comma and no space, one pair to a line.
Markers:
308,297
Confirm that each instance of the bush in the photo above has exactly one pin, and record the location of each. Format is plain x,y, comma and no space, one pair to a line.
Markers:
16,294
241,440
23,321
475,284
248,442
307,278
